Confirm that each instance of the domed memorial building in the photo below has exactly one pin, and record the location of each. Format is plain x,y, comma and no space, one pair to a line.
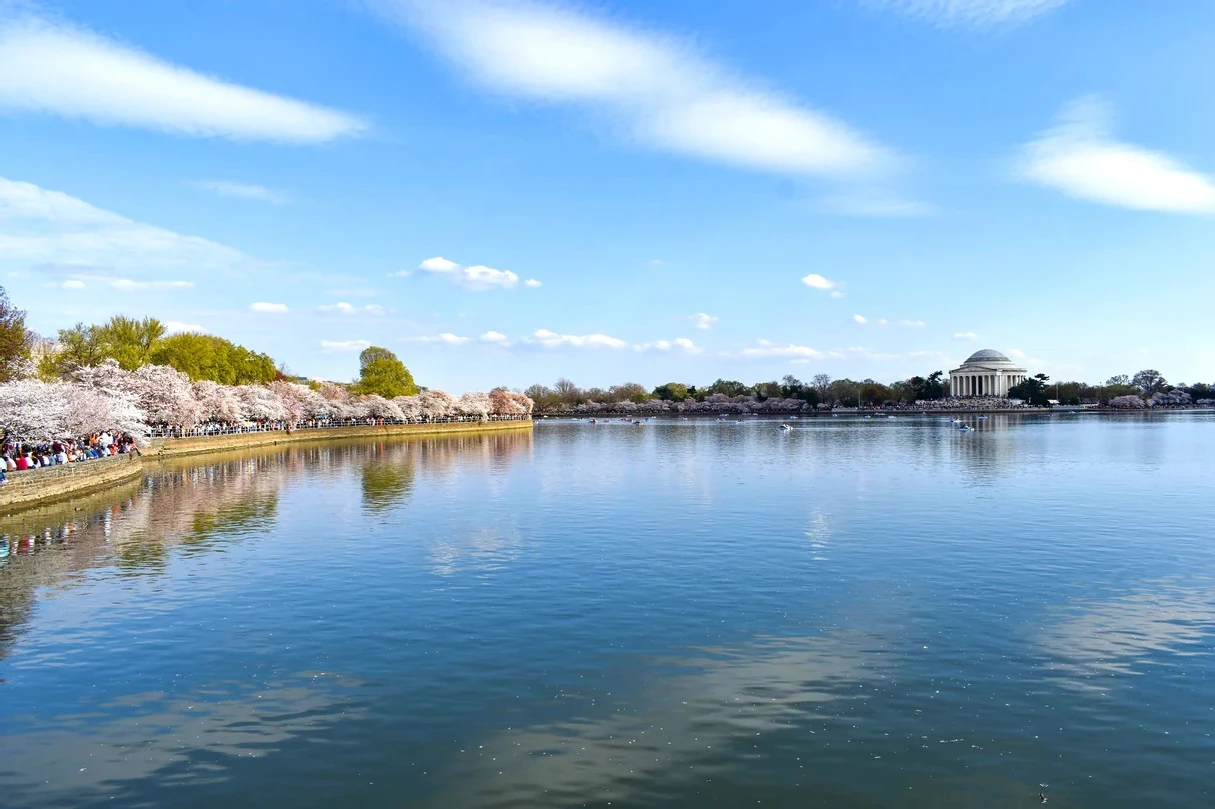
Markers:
985,373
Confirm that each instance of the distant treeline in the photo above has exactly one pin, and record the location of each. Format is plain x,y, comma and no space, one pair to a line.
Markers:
791,394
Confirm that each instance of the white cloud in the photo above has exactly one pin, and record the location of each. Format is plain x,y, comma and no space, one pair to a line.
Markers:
495,337
765,350
912,324
1080,157
816,281
656,262
344,345
73,283
262,306
1016,352
258,193
549,339
656,90
971,13
38,225
967,336
476,277
344,308
861,319
59,69
703,321
438,264
882,321
679,343
177,327
446,338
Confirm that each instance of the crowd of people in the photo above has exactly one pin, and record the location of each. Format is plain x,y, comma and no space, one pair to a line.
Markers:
19,457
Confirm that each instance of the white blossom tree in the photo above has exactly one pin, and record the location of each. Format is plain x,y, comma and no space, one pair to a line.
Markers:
33,411
218,403
1127,402
410,406
166,396
377,407
437,404
260,403
89,410
476,405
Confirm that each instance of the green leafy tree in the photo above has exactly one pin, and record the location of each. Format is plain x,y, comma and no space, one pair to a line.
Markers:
381,373
206,356
129,341
728,387
15,339
629,391
671,392
1032,391
1149,381
79,347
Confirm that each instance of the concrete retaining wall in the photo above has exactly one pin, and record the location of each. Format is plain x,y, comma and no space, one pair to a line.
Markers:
41,486
175,447
38,486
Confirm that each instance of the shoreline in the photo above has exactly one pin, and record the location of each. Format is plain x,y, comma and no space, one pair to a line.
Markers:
57,484
908,412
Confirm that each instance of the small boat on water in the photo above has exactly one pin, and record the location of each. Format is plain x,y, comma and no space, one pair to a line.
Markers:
785,427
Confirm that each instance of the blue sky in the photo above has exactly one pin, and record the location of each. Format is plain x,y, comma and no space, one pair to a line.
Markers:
508,192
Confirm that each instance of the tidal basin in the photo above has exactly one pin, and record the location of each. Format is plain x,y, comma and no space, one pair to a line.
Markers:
850,613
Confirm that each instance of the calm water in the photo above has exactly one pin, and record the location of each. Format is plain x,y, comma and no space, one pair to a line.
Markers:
859,613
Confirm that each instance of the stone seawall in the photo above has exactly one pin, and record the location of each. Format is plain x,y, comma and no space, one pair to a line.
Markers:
38,487
176,447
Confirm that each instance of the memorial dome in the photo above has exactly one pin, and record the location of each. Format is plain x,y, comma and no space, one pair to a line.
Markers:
987,355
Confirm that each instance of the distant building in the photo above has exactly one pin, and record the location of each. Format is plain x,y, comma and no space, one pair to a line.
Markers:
985,373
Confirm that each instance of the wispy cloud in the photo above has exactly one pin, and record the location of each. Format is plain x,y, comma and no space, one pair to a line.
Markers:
477,277
344,308
446,338
912,324
330,346
656,89
860,319
40,225
1081,158
177,327
970,13
548,339
257,193
877,203
56,68
494,338
703,321
86,280
678,344
965,336
764,349
264,307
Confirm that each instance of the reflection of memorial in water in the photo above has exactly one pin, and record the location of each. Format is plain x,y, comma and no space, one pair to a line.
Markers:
989,448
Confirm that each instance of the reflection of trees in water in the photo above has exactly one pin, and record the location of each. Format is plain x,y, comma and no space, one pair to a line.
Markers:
387,479
193,506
